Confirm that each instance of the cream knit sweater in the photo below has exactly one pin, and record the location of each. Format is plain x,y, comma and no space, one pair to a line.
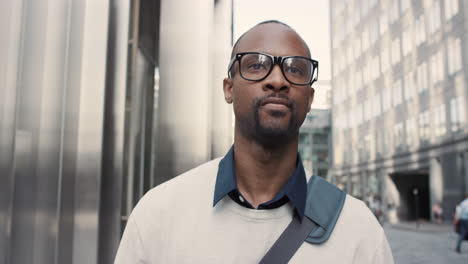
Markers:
176,223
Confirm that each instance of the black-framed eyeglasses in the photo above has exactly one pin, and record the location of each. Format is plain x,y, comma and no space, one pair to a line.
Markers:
256,66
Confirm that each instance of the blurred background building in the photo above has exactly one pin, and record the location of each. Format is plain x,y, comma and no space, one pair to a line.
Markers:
100,101
314,142
399,79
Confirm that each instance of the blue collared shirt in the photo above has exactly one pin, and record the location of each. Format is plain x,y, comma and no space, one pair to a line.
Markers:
294,191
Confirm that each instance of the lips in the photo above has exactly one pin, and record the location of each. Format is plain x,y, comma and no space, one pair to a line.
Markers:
275,101
276,104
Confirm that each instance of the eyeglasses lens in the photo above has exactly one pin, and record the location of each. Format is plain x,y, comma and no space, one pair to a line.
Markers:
257,66
297,70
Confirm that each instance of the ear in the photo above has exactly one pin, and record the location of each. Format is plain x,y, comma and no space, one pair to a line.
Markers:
227,88
311,98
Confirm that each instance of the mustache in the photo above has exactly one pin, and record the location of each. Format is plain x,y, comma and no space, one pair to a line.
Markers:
259,101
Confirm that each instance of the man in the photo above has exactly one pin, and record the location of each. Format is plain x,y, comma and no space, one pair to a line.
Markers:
232,210
461,216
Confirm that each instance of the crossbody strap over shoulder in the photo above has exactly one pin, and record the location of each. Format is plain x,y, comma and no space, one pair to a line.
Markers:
289,241
323,207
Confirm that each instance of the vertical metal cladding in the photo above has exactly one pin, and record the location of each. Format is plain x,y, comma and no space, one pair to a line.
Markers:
51,129
83,118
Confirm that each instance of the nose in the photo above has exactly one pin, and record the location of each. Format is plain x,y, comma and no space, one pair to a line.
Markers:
276,80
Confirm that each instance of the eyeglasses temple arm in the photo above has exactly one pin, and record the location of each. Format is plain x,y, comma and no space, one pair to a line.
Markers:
316,75
230,65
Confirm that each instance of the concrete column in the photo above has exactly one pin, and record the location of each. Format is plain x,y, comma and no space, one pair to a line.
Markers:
465,171
185,86
221,114
436,181
349,183
392,199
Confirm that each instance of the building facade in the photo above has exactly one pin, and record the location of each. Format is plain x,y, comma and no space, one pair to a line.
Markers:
99,102
315,142
399,108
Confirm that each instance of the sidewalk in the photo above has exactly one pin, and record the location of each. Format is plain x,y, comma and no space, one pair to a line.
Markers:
422,227
427,244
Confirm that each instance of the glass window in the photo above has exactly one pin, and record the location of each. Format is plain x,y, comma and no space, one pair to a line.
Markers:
366,72
451,8
359,114
420,30
457,113
352,118
410,132
422,77
364,8
387,98
351,83
376,105
367,110
383,23
394,12
424,130
397,93
385,61
396,51
405,5
437,67
399,137
434,17
407,41
374,32
365,39
350,55
439,120
358,80
409,86
388,140
454,55
376,67
356,15
320,139
357,47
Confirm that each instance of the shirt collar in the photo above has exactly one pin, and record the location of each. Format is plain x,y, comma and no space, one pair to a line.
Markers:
295,188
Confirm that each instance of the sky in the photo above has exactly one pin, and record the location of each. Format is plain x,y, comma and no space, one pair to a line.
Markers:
310,18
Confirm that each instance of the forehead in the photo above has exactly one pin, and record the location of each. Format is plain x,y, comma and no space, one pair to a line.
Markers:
274,39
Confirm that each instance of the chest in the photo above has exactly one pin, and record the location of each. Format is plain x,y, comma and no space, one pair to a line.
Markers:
231,241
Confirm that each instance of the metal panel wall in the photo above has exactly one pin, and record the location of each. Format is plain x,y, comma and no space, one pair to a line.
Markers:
221,121
10,29
114,113
184,139
53,75
71,160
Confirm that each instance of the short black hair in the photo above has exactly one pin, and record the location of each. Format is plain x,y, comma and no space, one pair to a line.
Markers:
234,47
261,23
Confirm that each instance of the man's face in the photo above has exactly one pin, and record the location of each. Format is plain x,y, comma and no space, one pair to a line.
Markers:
272,110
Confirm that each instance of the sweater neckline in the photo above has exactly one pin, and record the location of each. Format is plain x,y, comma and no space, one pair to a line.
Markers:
255,214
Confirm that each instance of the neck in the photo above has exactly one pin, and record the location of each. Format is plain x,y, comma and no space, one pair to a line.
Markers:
262,172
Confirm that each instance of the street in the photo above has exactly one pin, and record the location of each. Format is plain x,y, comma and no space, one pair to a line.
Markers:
427,244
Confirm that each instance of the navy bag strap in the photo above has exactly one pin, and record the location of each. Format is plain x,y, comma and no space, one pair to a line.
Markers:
289,241
323,207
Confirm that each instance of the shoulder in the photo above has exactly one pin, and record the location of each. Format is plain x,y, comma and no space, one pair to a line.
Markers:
358,223
356,212
196,177
359,227
195,186
463,204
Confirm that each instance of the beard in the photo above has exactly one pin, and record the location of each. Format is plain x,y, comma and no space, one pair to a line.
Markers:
272,134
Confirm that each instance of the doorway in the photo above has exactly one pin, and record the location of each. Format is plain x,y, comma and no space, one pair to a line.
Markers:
413,189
